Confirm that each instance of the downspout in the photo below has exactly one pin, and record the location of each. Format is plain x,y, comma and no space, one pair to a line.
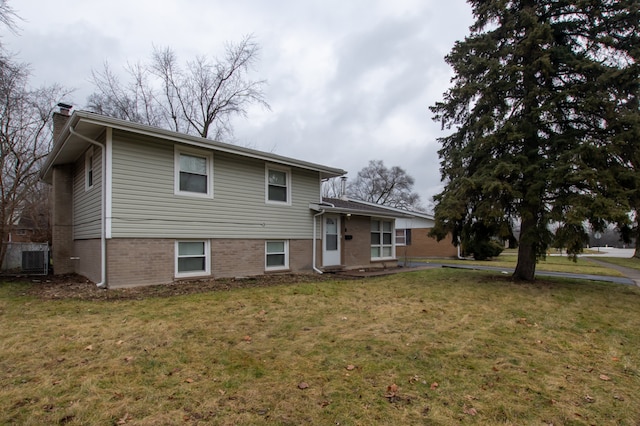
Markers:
315,216
103,240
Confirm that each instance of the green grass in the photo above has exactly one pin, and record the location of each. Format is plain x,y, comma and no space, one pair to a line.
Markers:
633,263
550,264
439,346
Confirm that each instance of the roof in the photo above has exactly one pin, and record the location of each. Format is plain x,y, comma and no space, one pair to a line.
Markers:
361,208
84,124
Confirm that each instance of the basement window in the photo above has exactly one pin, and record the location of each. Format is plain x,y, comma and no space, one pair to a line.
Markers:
277,255
192,258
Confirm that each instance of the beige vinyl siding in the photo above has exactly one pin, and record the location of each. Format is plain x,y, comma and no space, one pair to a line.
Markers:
145,206
86,204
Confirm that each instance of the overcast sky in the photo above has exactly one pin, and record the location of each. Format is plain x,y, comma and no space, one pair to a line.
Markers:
348,81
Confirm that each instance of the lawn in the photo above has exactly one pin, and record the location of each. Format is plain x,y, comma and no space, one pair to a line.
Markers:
437,347
549,264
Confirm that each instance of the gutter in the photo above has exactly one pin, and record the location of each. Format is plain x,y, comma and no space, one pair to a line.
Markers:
315,216
103,240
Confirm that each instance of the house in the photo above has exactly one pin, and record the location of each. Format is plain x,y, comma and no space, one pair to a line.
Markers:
411,230
137,205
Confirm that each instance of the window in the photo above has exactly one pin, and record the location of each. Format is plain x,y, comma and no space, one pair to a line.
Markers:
277,255
381,241
88,169
278,185
194,173
192,258
403,237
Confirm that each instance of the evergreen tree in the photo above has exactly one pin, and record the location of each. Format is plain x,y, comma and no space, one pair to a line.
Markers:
541,103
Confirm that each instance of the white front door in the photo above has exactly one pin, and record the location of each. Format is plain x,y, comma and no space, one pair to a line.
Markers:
331,241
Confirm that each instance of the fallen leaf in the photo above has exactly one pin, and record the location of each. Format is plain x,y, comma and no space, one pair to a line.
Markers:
618,397
119,342
89,348
615,358
303,385
350,367
393,388
128,358
189,380
605,377
247,338
434,385
470,411
589,399
124,419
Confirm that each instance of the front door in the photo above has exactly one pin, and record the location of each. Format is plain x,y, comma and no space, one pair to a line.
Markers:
331,241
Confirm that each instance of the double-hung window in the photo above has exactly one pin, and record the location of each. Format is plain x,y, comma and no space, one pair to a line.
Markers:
276,255
278,185
192,258
193,173
381,239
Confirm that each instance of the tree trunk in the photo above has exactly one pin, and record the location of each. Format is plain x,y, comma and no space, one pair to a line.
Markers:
637,252
526,266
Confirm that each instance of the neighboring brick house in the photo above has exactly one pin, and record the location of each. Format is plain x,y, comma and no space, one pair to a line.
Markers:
137,205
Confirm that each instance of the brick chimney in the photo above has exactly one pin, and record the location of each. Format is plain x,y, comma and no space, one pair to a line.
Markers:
60,119
62,200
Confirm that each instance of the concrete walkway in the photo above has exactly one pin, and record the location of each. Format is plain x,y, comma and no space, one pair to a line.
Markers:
630,273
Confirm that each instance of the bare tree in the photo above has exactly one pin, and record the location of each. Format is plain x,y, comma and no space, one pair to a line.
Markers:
25,138
199,98
390,187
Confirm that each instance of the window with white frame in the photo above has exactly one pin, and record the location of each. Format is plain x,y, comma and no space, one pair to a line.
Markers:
193,173
381,239
278,185
192,258
276,255
403,237
88,169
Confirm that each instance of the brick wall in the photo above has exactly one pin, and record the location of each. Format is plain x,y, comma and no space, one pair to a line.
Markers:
237,258
89,262
356,252
61,220
140,261
422,245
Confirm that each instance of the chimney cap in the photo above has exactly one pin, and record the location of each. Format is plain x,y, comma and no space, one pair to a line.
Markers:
65,106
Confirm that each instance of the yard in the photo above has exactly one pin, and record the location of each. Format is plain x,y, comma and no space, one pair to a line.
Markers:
439,346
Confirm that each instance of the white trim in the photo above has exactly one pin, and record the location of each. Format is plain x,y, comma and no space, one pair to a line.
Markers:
286,256
207,261
109,183
89,159
207,155
287,171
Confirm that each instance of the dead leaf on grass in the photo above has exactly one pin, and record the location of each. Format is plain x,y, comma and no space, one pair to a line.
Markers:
434,385
128,358
119,342
247,339
392,388
89,348
188,380
605,377
303,385
589,399
124,420
350,367
470,411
